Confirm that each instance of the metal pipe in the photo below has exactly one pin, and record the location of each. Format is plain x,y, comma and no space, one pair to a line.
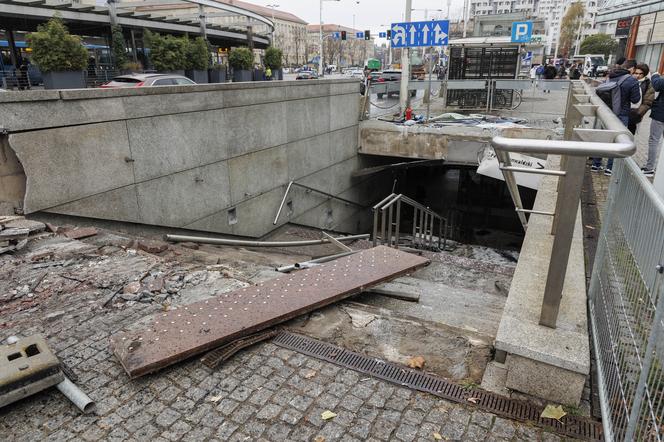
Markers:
242,243
76,395
535,212
305,264
283,201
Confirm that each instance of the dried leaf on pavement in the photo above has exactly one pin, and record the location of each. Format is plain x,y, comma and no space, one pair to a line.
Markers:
416,362
437,436
474,400
553,412
214,399
319,439
327,415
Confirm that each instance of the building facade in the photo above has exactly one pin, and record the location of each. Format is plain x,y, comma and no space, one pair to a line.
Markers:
639,28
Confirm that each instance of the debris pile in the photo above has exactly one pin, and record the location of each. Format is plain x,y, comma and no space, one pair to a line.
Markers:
15,232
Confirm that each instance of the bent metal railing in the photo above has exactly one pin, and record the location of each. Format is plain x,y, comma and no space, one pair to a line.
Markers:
580,143
387,224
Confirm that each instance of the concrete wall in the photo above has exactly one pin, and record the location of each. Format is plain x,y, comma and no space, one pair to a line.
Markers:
211,157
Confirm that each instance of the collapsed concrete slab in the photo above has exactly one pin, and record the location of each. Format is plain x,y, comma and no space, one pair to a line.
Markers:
456,145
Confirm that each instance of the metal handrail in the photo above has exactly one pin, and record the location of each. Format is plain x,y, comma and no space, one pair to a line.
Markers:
615,142
310,189
423,223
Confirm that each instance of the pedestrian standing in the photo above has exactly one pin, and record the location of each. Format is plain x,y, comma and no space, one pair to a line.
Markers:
549,74
268,73
647,97
23,82
656,125
619,92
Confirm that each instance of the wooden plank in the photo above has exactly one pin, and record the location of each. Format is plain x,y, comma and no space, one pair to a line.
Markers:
202,326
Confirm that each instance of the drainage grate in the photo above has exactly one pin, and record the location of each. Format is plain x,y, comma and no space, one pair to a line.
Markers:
571,426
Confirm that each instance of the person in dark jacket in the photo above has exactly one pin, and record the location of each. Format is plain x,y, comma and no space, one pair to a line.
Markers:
549,74
656,125
637,113
630,93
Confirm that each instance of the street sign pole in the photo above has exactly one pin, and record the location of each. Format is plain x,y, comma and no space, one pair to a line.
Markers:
404,96
428,91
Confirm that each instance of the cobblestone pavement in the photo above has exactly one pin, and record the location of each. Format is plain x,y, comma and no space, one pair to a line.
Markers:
264,393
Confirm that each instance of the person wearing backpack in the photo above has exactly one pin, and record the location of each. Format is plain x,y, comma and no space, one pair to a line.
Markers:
619,92
549,73
656,125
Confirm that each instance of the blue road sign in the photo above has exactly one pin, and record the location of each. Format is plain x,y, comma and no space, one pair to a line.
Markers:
522,31
382,34
336,35
359,35
421,33
528,56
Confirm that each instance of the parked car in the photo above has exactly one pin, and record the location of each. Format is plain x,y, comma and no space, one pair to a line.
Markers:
144,80
355,73
309,75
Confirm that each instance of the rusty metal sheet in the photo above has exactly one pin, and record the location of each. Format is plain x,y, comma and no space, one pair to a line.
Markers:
195,328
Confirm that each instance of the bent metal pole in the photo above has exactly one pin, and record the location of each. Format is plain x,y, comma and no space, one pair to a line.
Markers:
244,243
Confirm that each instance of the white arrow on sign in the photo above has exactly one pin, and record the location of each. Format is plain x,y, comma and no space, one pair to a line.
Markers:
439,36
425,34
413,31
399,33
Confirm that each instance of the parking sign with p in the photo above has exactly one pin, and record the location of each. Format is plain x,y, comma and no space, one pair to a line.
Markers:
522,31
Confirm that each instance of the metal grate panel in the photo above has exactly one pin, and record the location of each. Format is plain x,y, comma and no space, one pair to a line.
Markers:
202,326
571,426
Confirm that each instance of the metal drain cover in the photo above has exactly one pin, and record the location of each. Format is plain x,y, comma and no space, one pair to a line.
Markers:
195,328
571,426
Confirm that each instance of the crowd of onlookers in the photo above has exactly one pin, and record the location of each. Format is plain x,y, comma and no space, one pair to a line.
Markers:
631,90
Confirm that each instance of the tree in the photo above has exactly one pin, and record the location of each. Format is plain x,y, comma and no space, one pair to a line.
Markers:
118,47
54,49
241,59
273,58
198,54
570,27
300,43
167,53
599,44
331,48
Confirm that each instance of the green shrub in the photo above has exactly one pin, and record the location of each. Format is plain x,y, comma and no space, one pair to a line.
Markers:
54,49
198,54
241,59
273,57
118,46
167,53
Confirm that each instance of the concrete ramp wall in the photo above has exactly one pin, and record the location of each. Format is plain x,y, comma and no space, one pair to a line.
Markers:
214,158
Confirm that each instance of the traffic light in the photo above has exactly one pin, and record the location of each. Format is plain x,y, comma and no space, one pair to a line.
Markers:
367,35
343,35
389,33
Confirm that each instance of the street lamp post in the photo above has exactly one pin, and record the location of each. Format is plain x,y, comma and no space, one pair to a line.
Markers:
320,47
274,25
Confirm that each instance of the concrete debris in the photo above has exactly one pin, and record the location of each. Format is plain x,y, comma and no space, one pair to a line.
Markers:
80,233
154,247
22,223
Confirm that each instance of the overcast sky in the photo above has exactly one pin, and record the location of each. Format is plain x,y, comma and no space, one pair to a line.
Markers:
375,15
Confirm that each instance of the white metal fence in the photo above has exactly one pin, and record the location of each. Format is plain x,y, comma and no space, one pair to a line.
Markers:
627,307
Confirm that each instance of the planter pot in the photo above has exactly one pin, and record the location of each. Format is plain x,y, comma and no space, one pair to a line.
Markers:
259,75
217,75
197,76
241,75
278,74
64,80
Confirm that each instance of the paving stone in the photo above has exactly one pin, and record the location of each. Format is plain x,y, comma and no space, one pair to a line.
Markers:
406,432
226,430
291,416
255,429
360,428
301,402
197,434
167,417
484,420
328,401
94,433
503,428
243,413
351,403
146,433
332,431
452,430
117,435
277,432
177,431
261,396
303,433
227,406
383,429
269,411
477,433
413,417
241,393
